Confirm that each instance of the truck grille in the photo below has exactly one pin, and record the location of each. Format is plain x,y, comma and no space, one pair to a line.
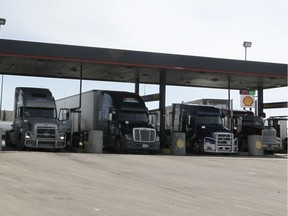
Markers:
224,138
46,132
269,136
144,135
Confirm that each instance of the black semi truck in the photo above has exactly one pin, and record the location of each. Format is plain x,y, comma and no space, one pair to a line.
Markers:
122,116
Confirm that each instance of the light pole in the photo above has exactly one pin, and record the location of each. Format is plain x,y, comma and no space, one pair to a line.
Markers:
2,22
246,44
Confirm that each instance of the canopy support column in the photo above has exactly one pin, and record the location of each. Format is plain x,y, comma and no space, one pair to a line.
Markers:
162,90
260,103
137,84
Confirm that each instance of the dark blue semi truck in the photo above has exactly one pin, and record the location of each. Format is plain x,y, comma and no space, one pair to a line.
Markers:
203,128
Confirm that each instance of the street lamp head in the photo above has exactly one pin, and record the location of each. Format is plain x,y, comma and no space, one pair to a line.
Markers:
2,21
247,44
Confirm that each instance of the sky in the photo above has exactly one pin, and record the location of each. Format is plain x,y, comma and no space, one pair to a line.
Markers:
208,28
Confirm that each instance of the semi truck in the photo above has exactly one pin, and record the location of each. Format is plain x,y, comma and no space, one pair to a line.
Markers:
202,126
254,125
245,124
35,123
122,116
280,124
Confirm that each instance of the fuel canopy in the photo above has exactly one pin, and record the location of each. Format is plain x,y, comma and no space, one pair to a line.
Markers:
68,61
90,63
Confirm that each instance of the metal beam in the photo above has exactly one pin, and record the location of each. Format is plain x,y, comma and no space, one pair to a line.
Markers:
260,103
162,90
137,84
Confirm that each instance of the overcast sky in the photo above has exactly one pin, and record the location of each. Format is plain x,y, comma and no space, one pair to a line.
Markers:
210,28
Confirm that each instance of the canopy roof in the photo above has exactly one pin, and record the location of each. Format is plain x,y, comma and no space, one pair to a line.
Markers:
64,61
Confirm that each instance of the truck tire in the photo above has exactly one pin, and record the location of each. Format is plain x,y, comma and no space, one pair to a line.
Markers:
7,139
118,146
75,139
196,148
20,144
285,144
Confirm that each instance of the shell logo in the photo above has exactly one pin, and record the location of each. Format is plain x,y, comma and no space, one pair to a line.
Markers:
248,101
180,143
258,145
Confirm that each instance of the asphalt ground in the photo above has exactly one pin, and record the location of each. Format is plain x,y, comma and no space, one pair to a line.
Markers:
43,183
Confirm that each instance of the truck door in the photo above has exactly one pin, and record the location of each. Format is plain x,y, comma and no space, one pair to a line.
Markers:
17,125
190,126
65,121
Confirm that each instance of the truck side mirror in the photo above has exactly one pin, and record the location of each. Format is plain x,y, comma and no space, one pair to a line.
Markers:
112,115
189,120
64,115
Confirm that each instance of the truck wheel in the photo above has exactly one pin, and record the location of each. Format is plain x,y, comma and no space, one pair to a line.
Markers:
20,144
7,139
75,139
285,144
196,148
118,147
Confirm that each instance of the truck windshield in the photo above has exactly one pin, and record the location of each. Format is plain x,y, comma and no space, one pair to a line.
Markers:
252,123
39,112
133,116
208,120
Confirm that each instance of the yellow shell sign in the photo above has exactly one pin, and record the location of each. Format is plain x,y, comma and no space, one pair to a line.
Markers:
247,101
258,145
180,143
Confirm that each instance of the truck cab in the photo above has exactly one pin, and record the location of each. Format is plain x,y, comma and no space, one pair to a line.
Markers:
35,122
122,116
280,124
254,125
205,131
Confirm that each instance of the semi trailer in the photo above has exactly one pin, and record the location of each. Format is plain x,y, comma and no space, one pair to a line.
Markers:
202,125
35,123
122,116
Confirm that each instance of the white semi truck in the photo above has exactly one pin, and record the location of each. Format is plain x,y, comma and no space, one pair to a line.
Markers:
280,124
35,123
122,116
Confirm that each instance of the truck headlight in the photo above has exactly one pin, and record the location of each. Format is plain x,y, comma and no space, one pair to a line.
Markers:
128,137
62,137
157,139
27,135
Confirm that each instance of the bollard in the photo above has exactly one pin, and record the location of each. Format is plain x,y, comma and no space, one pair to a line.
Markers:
1,135
95,142
178,144
255,146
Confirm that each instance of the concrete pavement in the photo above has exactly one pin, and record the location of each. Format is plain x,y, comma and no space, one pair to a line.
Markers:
48,183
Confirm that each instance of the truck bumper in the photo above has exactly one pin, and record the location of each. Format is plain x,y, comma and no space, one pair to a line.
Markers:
44,143
131,145
222,149
212,148
271,147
